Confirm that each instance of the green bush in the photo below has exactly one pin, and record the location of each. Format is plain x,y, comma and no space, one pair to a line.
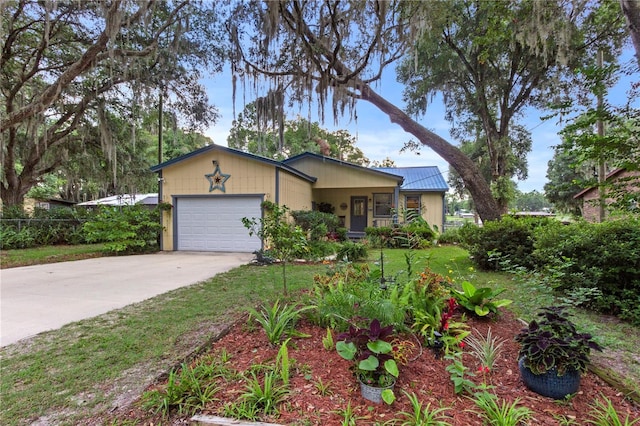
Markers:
352,252
316,223
61,225
127,229
414,235
502,244
605,256
450,236
318,250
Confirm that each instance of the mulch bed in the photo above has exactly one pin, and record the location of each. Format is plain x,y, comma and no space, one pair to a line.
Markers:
424,375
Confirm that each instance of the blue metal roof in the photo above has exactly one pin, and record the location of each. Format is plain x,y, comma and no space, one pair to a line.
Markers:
425,179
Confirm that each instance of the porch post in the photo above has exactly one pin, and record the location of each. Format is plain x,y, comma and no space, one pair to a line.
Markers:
396,202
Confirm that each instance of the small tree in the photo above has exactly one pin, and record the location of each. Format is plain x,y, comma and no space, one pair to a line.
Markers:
282,237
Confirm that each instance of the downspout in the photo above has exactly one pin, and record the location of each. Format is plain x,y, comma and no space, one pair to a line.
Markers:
444,211
162,212
396,196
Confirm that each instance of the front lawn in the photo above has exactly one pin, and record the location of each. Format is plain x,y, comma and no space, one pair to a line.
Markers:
85,369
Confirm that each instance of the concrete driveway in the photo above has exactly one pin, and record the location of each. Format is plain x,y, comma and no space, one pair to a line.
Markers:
39,298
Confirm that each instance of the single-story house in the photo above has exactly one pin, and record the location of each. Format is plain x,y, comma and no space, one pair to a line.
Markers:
150,199
213,188
46,203
621,180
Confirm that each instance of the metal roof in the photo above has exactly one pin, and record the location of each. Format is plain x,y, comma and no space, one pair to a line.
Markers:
425,179
124,200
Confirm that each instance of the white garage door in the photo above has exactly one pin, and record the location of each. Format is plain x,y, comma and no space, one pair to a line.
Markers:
214,224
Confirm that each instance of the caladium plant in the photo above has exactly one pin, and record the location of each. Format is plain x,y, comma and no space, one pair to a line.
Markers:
371,353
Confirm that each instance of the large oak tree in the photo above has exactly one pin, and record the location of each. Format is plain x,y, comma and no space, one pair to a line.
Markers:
72,69
338,50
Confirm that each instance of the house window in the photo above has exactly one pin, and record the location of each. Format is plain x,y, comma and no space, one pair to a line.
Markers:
412,207
382,204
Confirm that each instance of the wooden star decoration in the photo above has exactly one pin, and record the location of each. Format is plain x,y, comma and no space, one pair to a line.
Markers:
217,179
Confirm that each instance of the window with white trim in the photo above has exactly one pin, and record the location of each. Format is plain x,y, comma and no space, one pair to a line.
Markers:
382,205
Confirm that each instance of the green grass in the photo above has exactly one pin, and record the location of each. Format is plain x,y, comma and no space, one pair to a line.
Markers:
49,254
68,367
75,367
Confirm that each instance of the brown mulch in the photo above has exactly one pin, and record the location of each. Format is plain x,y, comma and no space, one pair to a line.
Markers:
424,376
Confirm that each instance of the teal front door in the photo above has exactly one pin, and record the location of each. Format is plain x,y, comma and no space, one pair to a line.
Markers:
358,214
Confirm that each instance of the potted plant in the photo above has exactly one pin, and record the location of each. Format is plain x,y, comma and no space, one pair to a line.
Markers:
374,366
553,354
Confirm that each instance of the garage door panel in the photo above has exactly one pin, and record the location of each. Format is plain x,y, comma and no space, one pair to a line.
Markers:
215,224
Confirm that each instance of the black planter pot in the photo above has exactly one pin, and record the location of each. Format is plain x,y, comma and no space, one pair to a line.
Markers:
550,384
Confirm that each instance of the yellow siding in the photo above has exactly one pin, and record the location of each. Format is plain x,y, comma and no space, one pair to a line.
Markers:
333,175
295,192
430,207
338,197
247,176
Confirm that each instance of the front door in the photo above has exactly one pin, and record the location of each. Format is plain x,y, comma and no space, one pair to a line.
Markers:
358,214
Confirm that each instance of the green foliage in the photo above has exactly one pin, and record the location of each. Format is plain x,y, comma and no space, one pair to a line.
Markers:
317,250
458,371
253,131
603,256
421,415
187,391
352,291
283,239
486,349
605,414
501,414
372,353
479,300
327,340
349,417
511,237
266,395
428,297
60,225
352,251
554,343
277,321
283,364
450,236
416,235
316,223
128,229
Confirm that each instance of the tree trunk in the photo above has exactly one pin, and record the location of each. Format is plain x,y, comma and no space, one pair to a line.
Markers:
631,10
486,205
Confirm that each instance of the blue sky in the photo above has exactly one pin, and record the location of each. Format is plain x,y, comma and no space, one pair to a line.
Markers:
378,138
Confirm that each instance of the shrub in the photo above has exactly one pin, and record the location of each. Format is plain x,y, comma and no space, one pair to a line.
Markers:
450,236
316,223
503,243
125,229
414,235
603,256
317,250
352,252
60,225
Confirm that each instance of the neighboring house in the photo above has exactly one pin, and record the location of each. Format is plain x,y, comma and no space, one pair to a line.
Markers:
621,180
46,203
213,188
150,200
